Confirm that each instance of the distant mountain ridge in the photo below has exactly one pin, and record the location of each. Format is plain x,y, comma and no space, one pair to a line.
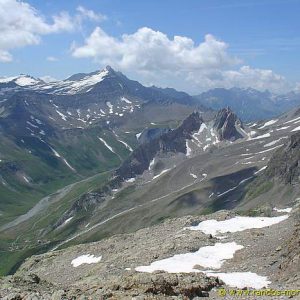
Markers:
250,104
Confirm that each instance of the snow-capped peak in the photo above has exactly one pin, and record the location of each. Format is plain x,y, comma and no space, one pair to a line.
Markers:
26,80
21,80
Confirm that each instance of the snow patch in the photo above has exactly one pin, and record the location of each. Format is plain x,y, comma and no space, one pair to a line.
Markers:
68,220
236,224
130,180
285,210
271,122
242,279
296,129
151,164
161,173
106,145
188,149
261,136
207,257
282,128
85,259
260,170
62,115
126,100
110,106
275,142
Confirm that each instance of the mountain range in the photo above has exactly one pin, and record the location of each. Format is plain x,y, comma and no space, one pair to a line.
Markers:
101,158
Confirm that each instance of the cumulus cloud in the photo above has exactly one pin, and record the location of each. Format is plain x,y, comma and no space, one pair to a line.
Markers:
5,56
243,77
22,25
149,50
154,58
90,14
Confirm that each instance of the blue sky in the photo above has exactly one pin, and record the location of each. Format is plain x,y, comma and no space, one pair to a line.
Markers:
253,43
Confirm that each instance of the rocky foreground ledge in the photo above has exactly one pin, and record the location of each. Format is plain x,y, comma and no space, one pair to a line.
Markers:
187,258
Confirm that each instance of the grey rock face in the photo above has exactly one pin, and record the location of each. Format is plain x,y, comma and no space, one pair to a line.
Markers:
284,164
172,141
225,123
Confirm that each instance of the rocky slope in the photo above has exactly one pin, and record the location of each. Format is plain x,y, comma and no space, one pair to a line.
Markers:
54,134
284,164
112,272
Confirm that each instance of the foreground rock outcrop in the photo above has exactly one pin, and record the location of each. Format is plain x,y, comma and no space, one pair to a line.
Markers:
55,276
138,286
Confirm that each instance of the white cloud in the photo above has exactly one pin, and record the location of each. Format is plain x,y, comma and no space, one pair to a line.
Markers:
149,50
243,77
22,25
52,58
153,58
297,87
5,56
90,14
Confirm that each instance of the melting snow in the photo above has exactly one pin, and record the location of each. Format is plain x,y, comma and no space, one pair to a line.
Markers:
260,170
235,187
138,135
261,136
208,257
161,173
85,259
271,122
125,144
188,149
151,164
286,210
29,123
274,142
130,180
236,224
260,152
26,179
296,129
242,279
293,120
126,100
110,106
68,220
62,115
202,127
106,145
64,160
282,128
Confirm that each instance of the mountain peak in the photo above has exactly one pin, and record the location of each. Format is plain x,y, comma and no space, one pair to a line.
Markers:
226,123
109,69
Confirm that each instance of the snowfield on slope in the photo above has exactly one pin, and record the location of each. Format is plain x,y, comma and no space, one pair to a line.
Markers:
241,280
236,224
207,257
214,256
85,259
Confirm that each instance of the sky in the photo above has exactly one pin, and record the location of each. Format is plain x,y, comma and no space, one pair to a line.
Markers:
191,45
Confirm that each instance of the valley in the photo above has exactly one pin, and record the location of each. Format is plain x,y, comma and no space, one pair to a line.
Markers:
102,168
